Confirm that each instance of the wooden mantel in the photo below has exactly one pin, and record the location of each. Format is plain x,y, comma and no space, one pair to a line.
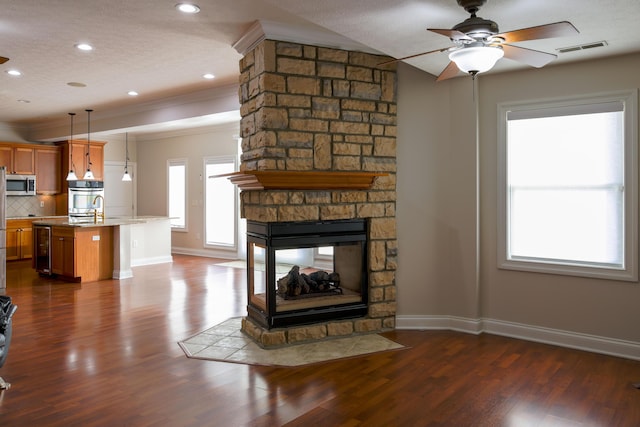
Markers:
301,180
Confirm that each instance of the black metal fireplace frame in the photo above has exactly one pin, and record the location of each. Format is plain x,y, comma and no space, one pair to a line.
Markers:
306,234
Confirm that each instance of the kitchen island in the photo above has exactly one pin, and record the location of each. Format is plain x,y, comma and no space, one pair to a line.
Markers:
88,250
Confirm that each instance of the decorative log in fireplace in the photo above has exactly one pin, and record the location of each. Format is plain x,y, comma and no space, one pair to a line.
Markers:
306,272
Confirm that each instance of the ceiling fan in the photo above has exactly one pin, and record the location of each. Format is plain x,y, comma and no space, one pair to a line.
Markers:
478,44
3,59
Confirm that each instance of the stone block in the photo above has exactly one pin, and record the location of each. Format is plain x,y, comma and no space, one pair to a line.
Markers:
331,70
379,164
340,88
297,164
332,212
362,74
350,197
333,55
310,52
344,149
346,163
273,198
350,128
384,309
322,152
270,82
363,90
295,139
335,329
299,101
303,85
358,105
289,49
317,197
308,333
272,118
377,255
274,338
292,66
370,210
298,213
382,196
382,228
367,325
376,295
309,125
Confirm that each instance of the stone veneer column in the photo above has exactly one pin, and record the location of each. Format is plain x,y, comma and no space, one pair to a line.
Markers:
308,108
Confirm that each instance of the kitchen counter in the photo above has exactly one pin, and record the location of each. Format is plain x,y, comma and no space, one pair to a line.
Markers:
137,241
66,221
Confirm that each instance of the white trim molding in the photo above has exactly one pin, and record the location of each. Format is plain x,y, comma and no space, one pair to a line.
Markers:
575,340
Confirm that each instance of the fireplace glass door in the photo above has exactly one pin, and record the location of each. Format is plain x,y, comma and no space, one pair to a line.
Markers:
306,272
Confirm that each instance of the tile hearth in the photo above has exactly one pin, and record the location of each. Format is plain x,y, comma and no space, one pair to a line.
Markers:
226,343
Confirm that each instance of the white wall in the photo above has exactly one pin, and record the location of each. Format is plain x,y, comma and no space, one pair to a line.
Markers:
437,213
195,145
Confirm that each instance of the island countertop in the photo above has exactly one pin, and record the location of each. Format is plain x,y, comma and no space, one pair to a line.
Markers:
89,222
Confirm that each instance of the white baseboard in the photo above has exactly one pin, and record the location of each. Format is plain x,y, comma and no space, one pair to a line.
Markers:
207,253
579,341
151,260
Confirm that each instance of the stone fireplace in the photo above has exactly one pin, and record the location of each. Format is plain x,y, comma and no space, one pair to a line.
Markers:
318,135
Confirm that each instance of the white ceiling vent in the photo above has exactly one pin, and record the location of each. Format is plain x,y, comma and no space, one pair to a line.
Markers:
582,47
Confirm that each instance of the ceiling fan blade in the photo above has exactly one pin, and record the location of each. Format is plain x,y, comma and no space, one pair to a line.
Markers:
535,58
3,59
557,29
414,56
452,70
452,34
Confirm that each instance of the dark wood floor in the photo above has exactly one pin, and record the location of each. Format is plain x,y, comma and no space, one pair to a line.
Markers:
106,354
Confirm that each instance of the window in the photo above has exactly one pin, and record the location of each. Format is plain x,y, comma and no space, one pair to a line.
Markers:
568,185
221,226
177,193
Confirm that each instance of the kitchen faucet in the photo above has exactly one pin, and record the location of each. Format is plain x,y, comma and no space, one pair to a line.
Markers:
95,211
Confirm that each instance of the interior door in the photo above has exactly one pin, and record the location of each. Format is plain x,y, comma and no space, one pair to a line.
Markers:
119,196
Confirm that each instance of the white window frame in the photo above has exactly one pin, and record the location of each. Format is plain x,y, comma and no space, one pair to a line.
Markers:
629,270
179,162
220,159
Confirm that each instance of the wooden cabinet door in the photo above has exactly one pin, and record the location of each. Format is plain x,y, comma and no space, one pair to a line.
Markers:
63,251
48,174
24,161
13,244
97,161
78,154
6,158
26,243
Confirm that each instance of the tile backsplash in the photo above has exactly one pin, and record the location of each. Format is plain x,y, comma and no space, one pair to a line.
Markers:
20,206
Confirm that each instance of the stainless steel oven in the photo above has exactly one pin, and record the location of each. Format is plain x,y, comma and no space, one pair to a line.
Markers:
82,196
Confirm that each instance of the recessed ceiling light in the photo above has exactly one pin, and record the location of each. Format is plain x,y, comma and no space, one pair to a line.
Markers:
76,84
132,93
14,72
84,46
208,76
188,8
24,101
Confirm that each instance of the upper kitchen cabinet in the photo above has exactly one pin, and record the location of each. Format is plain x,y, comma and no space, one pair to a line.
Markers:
76,155
18,158
48,161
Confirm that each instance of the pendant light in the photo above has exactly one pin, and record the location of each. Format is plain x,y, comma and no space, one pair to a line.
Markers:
72,174
126,176
88,174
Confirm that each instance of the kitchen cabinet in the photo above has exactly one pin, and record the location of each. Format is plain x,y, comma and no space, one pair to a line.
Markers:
18,158
63,249
83,254
48,160
19,239
75,153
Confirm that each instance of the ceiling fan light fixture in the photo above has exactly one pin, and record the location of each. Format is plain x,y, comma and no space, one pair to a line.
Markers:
476,59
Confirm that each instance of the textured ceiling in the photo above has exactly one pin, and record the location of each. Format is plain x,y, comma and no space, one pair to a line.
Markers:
147,46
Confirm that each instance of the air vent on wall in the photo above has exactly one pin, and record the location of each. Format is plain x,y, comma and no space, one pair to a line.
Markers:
582,47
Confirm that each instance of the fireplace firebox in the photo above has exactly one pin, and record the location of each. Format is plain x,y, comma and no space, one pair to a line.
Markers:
306,272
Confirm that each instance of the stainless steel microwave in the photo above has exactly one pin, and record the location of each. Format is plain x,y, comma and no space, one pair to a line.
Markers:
21,185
